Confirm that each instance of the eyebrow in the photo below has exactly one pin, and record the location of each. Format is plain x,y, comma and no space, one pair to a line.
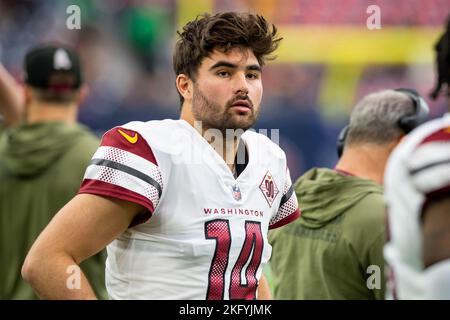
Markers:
253,67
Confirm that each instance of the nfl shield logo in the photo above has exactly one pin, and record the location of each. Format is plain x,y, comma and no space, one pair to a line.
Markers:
236,193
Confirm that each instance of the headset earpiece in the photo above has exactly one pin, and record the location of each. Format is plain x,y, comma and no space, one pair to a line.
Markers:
421,111
406,123
340,143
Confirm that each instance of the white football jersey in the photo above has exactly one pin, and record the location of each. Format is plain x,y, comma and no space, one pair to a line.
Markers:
205,234
418,169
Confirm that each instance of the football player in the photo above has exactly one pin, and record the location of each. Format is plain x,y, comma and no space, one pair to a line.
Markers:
184,214
418,198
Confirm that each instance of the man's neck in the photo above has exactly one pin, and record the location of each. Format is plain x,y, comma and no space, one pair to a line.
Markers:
37,113
366,161
225,146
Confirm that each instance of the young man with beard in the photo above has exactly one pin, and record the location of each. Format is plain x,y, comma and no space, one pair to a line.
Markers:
184,214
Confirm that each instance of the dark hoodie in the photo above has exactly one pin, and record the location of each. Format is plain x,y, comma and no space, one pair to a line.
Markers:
334,250
41,169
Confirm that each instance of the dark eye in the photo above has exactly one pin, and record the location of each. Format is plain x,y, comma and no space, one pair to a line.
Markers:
252,76
223,74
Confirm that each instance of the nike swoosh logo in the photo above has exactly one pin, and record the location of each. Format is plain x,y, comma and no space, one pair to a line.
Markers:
130,139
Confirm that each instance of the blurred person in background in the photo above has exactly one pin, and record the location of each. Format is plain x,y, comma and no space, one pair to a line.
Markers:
335,249
418,201
43,155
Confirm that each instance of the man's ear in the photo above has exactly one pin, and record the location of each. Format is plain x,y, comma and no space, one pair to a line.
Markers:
82,94
185,86
28,94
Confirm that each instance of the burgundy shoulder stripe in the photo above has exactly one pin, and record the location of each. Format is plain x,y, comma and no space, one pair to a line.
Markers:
293,216
437,136
130,141
105,189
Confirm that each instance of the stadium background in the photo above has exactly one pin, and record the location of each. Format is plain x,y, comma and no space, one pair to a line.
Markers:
328,60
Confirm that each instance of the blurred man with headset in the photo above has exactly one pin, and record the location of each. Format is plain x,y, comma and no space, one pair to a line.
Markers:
335,249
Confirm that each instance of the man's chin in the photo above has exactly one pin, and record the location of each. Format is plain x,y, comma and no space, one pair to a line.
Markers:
234,122
243,124
241,121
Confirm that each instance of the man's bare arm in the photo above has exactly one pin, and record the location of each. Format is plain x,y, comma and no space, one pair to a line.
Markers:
436,231
80,229
11,98
264,289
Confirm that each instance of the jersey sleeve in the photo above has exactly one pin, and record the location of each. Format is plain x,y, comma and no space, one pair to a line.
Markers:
429,165
124,167
288,210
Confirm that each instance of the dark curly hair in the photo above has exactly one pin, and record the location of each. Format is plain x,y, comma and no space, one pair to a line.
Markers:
223,31
442,49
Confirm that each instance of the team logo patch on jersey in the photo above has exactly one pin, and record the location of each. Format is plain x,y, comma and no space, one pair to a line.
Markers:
269,188
130,139
236,193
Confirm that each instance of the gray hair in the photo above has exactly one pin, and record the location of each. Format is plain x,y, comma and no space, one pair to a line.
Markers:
375,118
